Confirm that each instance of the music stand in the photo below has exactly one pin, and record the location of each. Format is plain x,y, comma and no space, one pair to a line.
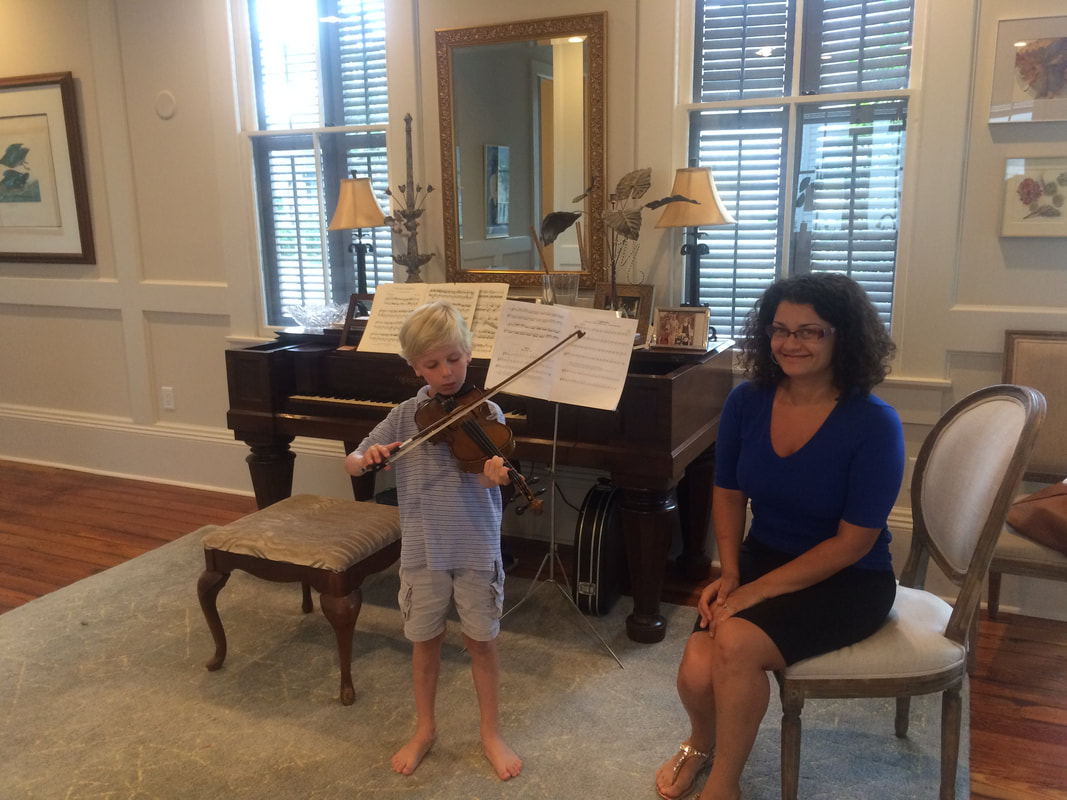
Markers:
552,556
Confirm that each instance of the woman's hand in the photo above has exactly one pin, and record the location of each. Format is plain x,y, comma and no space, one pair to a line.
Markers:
712,600
722,599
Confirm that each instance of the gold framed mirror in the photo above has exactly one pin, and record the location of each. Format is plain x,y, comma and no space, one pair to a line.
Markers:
521,107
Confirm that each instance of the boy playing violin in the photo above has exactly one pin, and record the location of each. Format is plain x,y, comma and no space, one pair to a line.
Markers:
450,547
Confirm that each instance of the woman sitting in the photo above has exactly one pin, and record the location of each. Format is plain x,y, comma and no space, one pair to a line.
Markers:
821,461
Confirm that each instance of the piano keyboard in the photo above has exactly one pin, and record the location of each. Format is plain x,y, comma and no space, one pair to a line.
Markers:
344,401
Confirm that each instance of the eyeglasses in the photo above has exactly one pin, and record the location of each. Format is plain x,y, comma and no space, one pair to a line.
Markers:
806,333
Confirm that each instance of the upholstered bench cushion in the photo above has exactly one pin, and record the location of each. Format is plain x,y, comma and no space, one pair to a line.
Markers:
312,531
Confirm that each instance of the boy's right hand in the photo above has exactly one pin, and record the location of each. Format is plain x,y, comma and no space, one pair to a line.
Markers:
357,463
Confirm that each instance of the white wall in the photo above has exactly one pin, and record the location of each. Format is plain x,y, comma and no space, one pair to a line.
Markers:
84,349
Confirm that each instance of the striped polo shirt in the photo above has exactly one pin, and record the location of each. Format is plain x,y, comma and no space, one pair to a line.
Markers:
448,519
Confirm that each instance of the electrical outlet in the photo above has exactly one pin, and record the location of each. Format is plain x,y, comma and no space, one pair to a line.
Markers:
167,394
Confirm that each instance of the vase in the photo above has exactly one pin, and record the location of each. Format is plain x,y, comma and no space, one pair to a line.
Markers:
560,288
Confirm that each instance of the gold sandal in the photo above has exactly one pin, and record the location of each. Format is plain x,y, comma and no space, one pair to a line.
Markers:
688,752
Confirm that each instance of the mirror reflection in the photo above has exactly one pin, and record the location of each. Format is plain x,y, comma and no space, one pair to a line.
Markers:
522,135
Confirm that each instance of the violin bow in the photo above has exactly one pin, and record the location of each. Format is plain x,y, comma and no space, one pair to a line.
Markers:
458,412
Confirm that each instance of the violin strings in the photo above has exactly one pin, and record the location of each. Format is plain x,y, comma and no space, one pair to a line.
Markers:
474,430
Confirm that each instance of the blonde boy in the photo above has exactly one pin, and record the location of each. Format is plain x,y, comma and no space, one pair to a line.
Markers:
450,551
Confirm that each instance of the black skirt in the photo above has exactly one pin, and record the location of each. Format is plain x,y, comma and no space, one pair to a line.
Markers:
841,610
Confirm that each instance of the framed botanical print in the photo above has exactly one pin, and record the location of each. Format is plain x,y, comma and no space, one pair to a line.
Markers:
1035,197
1029,79
44,198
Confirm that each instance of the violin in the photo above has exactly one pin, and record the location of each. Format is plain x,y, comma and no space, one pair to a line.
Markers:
462,413
474,436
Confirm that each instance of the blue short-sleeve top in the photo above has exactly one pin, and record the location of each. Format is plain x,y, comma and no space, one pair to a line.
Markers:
851,469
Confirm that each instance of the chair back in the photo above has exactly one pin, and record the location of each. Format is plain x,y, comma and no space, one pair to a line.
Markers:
968,469
1039,359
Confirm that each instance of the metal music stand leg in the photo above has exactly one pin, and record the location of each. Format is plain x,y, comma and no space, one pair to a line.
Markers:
552,557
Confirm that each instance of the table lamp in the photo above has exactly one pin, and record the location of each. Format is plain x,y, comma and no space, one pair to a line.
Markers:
357,208
697,184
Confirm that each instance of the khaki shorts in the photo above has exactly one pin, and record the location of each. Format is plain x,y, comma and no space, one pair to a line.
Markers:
427,595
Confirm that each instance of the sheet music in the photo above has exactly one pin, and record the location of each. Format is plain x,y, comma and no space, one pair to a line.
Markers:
464,296
590,371
486,319
392,304
480,305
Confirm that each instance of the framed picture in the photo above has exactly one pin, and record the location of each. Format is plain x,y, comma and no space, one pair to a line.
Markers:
1029,81
1035,197
635,302
496,191
358,309
684,328
44,199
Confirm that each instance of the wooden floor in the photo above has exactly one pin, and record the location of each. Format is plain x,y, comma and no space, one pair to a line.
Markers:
58,526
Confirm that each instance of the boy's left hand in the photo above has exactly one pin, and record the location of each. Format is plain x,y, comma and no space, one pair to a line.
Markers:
495,472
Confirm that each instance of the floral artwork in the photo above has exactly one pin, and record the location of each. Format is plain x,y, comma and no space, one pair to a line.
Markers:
1030,71
1034,197
1041,67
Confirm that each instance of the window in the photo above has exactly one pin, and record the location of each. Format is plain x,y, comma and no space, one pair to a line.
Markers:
802,119
322,110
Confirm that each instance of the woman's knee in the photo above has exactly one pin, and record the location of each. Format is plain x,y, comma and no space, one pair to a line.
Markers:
697,663
739,643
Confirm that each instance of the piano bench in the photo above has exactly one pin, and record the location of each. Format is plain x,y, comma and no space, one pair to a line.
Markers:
322,542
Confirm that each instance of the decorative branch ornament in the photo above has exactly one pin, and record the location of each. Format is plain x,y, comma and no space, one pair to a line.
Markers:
405,220
622,220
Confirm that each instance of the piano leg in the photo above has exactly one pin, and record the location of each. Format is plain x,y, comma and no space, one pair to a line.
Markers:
646,526
271,466
694,512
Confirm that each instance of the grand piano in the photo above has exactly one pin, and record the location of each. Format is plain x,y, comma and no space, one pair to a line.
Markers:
658,446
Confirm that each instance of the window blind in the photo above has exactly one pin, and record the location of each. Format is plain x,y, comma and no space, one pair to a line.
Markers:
742,49
845,177
317,64
745,151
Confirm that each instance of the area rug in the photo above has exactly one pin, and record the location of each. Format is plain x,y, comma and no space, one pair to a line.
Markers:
104,694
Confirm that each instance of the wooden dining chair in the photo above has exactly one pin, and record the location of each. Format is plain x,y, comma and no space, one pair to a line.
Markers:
1037,359
966,473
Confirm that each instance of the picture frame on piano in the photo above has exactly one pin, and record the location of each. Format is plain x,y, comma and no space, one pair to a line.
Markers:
358,308
680,328
634,301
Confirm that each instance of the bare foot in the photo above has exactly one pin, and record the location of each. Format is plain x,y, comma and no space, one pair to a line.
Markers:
408,757
671,783
503,758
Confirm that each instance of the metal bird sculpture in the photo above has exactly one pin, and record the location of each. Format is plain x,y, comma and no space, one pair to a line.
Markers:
555,223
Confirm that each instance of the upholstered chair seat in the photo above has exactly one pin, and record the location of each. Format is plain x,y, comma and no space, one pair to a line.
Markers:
911,644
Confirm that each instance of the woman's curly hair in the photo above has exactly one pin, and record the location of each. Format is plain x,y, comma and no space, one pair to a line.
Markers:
862,347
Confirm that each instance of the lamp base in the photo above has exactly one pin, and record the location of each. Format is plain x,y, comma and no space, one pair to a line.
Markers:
693,250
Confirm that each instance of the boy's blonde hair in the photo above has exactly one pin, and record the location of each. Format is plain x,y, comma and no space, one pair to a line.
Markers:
435,324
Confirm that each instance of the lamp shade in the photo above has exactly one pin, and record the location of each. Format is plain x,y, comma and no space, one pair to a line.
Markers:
357,207
697,184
